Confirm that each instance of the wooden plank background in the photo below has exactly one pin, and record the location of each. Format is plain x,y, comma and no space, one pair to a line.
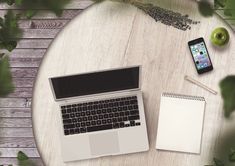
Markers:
15,112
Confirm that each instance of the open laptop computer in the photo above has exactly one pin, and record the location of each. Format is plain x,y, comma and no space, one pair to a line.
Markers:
102,113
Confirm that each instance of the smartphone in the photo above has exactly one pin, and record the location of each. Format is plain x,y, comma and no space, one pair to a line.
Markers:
200,55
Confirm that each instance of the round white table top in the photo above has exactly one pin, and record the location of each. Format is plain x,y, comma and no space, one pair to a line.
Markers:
112,35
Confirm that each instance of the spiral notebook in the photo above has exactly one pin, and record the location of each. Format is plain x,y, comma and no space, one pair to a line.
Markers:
180,123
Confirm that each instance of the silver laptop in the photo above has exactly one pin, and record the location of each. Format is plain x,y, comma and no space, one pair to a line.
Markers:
102,113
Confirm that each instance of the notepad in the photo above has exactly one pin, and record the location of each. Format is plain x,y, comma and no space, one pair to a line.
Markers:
180,123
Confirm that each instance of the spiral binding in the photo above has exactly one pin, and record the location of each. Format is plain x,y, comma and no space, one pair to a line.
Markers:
183,96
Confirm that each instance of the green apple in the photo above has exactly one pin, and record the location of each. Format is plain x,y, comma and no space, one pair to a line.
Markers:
220,36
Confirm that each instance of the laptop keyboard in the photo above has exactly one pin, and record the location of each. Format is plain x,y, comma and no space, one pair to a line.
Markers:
100,115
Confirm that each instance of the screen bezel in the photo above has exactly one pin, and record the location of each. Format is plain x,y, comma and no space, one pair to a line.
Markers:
196,41
106,93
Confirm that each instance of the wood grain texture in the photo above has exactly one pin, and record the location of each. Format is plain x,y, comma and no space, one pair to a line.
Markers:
7,161
15,112
21,93
74,4
12,142
24,72
15,122
33,43
16,132
45,14
130,37
12,152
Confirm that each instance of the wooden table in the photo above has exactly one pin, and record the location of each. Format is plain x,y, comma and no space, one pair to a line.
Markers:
110,35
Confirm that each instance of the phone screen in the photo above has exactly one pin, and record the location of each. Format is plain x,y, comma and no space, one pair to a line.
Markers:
200,55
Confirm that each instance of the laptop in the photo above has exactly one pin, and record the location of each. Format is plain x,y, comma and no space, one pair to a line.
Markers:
102,113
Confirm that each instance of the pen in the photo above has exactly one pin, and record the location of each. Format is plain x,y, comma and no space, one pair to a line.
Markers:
188,78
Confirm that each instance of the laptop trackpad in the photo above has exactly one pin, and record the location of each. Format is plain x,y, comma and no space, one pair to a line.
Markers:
104,143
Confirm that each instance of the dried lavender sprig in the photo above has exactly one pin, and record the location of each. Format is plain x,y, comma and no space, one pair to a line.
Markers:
167,17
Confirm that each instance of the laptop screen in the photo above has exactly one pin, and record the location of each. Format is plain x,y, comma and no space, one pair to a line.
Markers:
96,82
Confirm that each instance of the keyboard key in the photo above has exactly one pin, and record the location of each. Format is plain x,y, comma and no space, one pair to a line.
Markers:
78,125
63,111
88,123
84,118
78,114
89,117
69,126
104,121
111,115
116,125
120,119
101,116
74,120
67,121
137,123
132,123
121,124
135,117
79,119
66,132
127,125
83,130
72,115
134,112
71,131
65,116
135,106
127,113
76,131
98,122
95,117
83,124
88,113
109,121
106,115
69,110
121,113
98,111
93,123
125,118
100,127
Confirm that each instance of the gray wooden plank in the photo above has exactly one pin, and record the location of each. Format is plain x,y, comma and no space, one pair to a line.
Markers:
24,72
12,152
11,142
23,82
42,24
16,132
12,102
15,122
25,62
15,112
27,53
21,93
7,161
45,14
74,4
40,33
33,43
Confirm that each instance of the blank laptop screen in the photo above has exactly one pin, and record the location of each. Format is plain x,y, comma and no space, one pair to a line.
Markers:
98,82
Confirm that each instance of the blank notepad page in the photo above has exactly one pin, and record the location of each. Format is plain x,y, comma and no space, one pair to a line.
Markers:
180,123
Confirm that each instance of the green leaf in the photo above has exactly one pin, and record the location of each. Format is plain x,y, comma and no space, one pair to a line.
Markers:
21,156
205,8
9,31
232,156
218,162
6,85
30,13
11,45
227,87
